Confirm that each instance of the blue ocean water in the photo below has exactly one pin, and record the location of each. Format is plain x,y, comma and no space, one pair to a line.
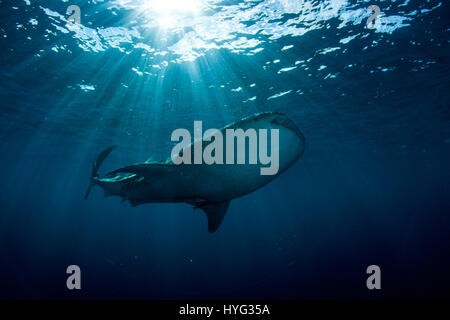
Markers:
371,188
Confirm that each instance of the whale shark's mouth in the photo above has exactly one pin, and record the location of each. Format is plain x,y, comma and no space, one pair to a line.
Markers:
286,122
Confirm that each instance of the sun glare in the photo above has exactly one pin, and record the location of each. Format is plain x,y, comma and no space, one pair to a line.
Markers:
167,11
170,6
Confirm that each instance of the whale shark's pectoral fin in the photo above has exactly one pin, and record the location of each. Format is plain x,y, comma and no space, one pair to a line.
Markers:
215,212
107,193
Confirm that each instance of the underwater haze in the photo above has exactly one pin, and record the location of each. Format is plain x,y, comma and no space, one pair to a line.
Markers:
370,92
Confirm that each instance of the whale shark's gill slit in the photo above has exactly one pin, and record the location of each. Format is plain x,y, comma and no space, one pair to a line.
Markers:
215,212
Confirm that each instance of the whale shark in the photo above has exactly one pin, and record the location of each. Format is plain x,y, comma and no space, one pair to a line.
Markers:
209,187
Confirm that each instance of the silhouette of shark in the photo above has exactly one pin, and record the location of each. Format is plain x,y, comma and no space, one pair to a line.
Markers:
209,187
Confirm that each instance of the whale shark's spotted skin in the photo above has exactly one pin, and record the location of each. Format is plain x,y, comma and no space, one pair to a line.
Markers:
208,187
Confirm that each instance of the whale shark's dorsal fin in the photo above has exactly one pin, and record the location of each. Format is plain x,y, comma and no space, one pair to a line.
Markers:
215,212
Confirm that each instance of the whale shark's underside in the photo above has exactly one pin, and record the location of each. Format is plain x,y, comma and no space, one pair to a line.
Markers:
208,187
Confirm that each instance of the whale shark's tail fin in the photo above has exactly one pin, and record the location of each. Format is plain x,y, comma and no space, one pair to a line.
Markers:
215,212
102,156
